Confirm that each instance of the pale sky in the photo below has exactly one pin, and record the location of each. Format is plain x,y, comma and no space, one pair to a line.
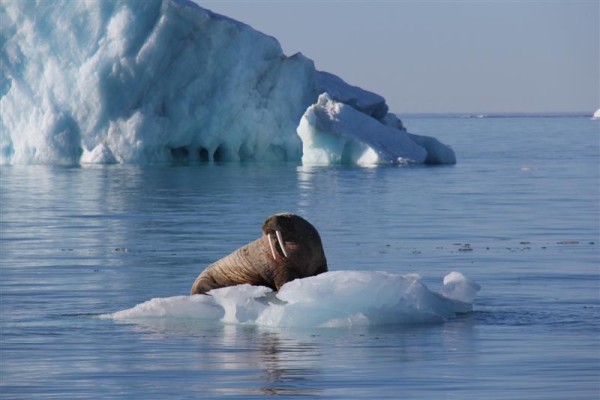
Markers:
470,56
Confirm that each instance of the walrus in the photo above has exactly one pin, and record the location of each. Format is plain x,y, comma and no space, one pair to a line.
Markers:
289,248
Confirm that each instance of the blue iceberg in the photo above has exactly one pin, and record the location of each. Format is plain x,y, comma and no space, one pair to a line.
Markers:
123,81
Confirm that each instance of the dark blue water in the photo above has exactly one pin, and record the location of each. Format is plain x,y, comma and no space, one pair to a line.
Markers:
519,214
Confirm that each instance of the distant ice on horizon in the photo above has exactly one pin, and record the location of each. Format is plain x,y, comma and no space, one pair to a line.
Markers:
122,81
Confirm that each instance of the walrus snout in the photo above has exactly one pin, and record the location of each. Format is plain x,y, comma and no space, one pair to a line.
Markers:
289,248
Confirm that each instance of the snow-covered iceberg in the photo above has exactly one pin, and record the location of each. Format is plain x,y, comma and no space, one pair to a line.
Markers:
160,80
332,299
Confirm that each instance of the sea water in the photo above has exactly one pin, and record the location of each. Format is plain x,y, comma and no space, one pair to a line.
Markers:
518,214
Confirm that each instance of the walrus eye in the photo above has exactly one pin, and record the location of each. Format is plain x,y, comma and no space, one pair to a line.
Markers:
271,246
280,240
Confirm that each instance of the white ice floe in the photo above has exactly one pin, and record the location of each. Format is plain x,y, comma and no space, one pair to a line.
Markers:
334,133
162,80
332,299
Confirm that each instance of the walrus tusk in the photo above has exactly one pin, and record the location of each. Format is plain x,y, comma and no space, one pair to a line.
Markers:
271,246
280,240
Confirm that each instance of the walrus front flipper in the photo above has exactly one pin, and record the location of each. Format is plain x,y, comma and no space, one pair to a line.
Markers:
204,284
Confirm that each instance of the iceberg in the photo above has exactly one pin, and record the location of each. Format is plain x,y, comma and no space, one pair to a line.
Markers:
329,300
334,133
123,81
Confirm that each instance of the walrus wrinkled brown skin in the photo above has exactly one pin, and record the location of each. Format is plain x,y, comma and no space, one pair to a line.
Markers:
289,248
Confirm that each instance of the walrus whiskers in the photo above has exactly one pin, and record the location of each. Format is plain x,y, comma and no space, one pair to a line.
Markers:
280,240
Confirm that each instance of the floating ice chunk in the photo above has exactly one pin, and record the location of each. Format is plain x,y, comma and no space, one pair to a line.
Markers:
458,287
334,133
332,299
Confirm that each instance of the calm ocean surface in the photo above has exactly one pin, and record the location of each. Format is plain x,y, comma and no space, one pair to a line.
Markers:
519,214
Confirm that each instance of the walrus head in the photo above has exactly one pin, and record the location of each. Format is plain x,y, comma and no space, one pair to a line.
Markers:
289,248
297,240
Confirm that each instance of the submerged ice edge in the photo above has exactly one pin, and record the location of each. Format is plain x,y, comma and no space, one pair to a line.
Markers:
332,299
168,81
